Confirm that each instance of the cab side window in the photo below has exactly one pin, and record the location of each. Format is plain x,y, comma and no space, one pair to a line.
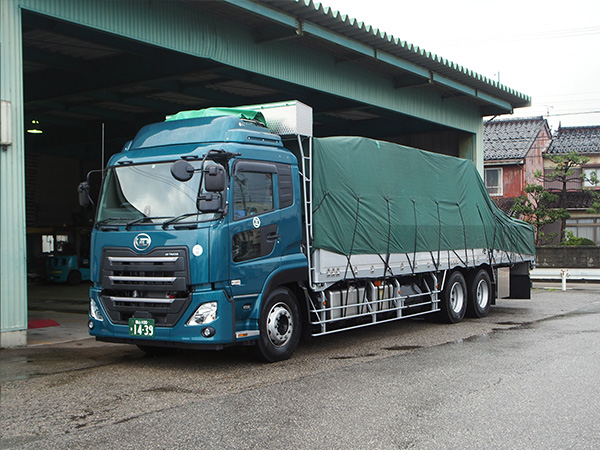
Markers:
247,245
252,194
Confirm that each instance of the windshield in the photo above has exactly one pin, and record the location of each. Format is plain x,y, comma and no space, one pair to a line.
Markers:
148,193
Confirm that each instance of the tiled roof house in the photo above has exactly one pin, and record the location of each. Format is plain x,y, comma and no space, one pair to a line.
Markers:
584,140
513,152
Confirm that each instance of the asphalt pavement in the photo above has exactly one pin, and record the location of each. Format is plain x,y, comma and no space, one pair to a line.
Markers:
526,376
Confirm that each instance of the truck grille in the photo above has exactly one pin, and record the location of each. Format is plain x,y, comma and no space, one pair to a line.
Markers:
152,286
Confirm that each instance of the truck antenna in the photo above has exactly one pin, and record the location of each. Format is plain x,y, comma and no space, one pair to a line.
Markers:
102,165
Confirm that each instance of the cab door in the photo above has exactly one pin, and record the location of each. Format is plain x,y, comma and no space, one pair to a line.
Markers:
255,249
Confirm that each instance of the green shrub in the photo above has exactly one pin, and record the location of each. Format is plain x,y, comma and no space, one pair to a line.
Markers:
570,239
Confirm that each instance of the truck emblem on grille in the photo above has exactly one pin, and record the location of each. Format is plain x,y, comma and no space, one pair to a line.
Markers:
141,242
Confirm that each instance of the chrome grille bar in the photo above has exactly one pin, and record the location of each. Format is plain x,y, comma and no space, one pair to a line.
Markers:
142,259
141,300
143,279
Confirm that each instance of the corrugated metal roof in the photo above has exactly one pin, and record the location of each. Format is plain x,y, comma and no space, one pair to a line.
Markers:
67,68
330,19
580,139
510,138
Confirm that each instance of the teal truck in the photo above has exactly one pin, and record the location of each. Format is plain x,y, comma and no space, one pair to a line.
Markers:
236,226
62,268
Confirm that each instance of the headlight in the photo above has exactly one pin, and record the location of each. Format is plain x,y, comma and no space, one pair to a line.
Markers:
206,313
95,311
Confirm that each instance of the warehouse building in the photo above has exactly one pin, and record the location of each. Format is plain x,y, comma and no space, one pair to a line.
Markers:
78,78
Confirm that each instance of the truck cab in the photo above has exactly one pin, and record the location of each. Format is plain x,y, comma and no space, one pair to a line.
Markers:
197,218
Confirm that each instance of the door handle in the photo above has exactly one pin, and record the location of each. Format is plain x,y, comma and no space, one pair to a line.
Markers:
272,237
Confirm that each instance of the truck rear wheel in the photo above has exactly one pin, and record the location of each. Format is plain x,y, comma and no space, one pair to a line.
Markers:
279,327
453,302
480,294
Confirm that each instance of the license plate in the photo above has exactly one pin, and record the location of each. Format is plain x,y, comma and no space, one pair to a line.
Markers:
141,327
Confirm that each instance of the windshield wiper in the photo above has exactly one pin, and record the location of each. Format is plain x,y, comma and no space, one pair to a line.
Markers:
166,223
105,221
142,220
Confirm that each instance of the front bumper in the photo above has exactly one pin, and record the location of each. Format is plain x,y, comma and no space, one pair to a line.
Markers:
180,335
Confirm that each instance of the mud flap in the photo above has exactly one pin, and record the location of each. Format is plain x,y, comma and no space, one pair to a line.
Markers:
520,283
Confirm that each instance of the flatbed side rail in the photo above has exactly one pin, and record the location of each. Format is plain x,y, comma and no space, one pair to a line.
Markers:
328,319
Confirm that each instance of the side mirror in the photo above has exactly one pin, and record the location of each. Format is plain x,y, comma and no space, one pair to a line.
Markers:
215,179
84,194
89,190
182,170
210,203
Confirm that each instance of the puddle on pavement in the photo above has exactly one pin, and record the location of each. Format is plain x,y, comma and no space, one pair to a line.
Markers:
403,347
366,355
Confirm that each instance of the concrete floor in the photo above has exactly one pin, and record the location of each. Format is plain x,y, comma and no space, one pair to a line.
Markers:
58,297
63,304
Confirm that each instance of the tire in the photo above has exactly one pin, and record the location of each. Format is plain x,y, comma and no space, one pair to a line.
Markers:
480,295
453,303
280,327
74,278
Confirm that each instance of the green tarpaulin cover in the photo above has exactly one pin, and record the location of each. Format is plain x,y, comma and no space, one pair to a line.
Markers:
374,197
242,113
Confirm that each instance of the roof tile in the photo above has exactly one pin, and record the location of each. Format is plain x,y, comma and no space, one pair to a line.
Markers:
580,139
510,138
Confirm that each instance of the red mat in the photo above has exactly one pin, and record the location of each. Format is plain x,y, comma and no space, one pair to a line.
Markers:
42,323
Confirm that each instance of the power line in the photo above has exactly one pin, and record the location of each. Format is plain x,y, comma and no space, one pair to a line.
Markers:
573,113
554,34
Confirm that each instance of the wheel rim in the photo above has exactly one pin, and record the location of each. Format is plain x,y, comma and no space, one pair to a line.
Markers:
483,294
279,324
457,298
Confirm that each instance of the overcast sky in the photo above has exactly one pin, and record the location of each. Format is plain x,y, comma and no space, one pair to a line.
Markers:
549,50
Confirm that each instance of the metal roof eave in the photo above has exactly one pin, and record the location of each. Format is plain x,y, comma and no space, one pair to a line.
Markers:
492,104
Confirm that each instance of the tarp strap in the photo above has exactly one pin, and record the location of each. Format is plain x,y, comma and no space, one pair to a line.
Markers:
510,238
507,254
440,237
464,235
433,260
494,240
386,261
349,256
459,258
437,265
321,202
487,243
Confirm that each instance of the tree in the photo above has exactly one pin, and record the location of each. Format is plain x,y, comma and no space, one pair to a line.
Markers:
536,208
566,170
595,206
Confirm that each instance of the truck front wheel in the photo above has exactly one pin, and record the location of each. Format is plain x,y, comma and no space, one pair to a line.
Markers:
453,299
480,295
279,326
